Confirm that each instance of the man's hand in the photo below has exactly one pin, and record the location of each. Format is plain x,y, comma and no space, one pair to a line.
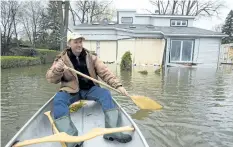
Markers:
122,90
59,66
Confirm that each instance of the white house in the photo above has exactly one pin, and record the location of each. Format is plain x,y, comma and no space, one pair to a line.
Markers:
152,39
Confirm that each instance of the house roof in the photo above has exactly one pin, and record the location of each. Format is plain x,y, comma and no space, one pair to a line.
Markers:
166,31
164,16
190,31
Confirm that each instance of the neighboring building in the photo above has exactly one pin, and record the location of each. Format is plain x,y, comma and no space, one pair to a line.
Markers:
152,39
226,54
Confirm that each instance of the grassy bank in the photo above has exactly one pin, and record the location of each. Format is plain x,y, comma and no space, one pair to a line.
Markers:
43,56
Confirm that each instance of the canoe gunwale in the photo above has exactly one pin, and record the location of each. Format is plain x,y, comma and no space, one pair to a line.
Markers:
133,123
13,139
9,144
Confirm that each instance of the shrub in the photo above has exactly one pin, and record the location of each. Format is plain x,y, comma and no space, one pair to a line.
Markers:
144,72
126,61
18,61
47,56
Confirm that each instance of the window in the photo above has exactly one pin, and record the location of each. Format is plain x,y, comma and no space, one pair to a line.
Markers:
127,20
181,51
178,23
183,23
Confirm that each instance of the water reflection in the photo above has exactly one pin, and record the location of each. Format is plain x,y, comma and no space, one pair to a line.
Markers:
141,114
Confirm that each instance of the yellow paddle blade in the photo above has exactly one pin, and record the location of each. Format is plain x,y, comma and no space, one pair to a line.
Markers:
63,137
145,103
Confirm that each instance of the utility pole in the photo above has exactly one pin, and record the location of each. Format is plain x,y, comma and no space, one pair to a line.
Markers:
64,21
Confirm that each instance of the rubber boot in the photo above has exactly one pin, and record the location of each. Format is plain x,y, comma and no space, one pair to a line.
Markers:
65,124
112,120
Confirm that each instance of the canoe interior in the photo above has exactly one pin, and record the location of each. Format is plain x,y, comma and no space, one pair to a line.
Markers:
88,117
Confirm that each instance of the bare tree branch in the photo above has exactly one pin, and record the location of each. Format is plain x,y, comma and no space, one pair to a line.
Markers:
8,23
174,6
88,11
207,8
168,3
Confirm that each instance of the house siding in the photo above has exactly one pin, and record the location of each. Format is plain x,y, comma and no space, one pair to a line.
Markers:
124,46
190,22
90,45
208,52
107,49
126,14
205,50
161,22
144,51
142,20
149,51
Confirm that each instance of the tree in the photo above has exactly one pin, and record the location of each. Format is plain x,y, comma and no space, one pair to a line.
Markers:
9,10
217,28
89,11
30,16
228,28
188,7
49,31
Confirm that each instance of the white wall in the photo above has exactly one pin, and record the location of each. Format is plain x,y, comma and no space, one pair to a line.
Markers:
196,50
126,14
90,45
142,20
190,22
124,46
108,51
166,21
161,21
149,51
144,51
208,51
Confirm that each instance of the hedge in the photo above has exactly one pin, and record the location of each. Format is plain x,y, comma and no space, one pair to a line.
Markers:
43,56
18,61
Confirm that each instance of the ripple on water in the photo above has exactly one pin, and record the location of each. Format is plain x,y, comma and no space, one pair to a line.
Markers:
197,104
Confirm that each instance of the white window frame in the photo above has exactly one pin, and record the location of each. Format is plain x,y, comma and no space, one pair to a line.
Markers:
129,22
181,49
176,23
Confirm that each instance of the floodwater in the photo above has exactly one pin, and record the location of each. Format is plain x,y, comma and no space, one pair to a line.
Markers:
197,103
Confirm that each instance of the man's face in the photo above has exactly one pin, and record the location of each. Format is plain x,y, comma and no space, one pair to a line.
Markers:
76,45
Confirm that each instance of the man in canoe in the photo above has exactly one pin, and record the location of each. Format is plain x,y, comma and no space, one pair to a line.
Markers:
74,88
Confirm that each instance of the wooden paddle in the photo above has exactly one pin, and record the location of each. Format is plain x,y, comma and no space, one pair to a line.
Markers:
141,101
48,114
63,137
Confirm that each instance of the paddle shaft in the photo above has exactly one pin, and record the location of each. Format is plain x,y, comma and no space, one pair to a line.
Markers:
63,137
48,114
94,80
51,121
141,102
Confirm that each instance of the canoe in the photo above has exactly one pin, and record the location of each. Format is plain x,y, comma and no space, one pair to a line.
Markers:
86,118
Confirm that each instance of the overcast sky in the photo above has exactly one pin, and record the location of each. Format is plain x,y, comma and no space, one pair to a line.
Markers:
140,6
